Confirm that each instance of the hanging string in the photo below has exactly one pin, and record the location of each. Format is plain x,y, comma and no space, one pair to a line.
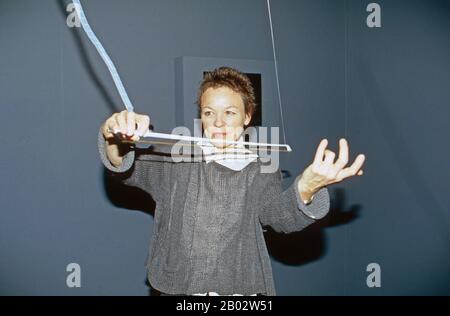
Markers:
276,70
112,69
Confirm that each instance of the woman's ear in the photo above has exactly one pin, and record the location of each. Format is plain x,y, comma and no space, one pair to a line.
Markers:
248,118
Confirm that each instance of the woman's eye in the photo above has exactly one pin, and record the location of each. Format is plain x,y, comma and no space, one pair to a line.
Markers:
207,113
230,113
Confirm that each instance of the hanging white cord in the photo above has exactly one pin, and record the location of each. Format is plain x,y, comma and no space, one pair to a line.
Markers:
112,69
276,70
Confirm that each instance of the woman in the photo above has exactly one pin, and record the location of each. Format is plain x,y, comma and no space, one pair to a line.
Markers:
207,235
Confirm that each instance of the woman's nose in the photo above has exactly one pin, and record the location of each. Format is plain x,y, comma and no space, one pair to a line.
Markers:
218,122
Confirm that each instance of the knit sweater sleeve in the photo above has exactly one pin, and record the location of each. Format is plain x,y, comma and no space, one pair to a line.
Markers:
285,211
136,171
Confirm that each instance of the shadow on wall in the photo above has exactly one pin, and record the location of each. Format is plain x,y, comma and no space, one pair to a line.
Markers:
309,244
127,197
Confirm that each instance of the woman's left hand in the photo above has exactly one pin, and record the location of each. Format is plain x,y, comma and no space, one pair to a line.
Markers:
323,171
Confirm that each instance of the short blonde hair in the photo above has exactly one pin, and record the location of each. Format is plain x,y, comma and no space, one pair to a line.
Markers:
233,79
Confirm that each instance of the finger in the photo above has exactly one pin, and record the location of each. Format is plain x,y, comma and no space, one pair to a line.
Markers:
131,123
143,122
121,121
343,154
320,152
353,169
357,164
106,133
112,126
329,158
109,126
135,137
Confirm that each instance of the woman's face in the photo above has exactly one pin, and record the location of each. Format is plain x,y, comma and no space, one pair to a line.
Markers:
223,115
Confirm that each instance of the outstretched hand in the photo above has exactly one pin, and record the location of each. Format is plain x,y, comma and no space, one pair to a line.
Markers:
324,171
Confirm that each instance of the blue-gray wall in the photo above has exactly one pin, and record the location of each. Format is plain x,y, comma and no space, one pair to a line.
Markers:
386,90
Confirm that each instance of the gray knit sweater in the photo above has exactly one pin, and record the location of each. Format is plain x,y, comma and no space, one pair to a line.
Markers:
207,230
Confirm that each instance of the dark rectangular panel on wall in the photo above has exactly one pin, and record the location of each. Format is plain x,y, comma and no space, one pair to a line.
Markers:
189,72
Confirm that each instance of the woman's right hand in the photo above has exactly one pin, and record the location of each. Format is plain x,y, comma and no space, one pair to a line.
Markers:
130,125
